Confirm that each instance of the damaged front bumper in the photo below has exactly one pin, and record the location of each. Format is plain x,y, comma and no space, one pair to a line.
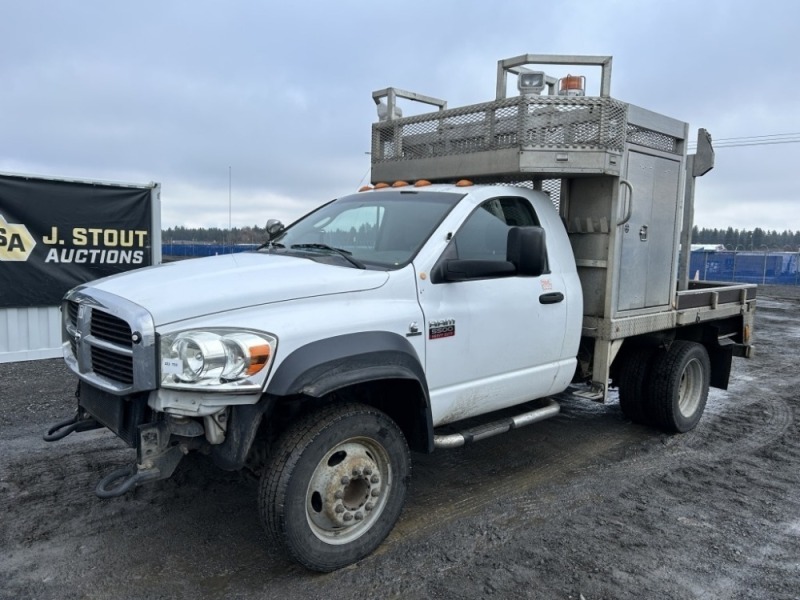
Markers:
160,440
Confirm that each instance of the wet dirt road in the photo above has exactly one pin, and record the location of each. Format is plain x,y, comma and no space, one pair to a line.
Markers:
584,504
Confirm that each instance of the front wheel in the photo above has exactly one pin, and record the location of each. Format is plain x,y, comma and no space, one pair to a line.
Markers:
679,386
335,486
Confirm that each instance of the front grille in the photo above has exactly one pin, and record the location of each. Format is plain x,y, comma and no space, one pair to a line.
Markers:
112,365
72,320
111,329
72,312
99,328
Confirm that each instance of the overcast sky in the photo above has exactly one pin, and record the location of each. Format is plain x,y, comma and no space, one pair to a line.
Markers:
178,92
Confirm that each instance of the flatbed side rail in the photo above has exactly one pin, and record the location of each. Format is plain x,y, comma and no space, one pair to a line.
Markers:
712,294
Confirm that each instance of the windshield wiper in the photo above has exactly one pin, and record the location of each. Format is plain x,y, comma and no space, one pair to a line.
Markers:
343,253
269,245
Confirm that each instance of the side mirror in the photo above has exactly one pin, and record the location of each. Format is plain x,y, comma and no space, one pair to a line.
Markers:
274,227
527,251
467,269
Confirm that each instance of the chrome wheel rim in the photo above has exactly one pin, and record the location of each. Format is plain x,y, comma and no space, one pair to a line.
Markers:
348,490
690,390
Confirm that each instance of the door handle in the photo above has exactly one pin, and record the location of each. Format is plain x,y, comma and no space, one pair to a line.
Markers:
628,204
551,298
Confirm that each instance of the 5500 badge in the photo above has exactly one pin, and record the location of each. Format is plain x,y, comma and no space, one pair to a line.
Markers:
441,328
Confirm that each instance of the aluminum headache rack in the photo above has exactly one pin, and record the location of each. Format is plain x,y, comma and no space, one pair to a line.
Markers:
543,137
528,137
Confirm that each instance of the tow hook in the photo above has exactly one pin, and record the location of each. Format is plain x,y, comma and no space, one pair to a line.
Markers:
157,458
131,476
77,422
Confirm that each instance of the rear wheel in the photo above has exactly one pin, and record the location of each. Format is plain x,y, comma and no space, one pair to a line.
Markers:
335,486
634,374
679,386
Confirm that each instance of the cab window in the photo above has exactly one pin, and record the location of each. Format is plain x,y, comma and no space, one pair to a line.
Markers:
483,235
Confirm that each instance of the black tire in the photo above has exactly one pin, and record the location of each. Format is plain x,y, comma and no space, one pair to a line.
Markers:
632,380
335,485
679,386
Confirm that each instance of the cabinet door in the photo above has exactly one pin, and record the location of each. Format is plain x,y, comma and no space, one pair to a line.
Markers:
648,238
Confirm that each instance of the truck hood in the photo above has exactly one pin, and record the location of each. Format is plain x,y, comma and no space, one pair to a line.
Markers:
193,288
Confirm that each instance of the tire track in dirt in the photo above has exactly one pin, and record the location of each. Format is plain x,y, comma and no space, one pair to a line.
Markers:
584,503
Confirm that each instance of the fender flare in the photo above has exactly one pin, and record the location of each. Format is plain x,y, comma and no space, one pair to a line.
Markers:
324,366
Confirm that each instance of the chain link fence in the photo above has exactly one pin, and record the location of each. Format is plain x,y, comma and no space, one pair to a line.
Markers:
747,266
178,249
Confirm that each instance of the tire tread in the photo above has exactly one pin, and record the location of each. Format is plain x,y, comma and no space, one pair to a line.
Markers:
633,379
283,461
664,384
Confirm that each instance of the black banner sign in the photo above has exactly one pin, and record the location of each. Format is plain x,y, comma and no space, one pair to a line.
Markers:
55,235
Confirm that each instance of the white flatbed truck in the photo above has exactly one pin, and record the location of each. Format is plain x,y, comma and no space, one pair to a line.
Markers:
507,252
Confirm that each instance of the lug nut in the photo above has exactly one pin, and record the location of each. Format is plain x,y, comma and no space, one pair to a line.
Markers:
367,471
359,516
345,480
375,479
369,506
339,508
339,494
348,516
356,472
375,493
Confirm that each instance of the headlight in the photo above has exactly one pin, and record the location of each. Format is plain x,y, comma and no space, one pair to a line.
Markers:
222,359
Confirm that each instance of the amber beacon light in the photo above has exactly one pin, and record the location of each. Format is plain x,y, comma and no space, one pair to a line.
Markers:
572,85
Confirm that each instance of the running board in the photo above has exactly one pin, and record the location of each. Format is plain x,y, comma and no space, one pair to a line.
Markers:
487,430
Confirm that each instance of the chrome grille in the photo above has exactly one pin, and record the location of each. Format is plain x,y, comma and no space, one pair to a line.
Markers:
111,329
72,320
115,366
72,312
99,331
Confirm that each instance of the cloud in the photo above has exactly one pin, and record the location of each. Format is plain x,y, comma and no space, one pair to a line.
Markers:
178,91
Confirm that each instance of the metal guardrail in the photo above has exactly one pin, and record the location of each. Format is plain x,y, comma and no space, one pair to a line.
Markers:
748,266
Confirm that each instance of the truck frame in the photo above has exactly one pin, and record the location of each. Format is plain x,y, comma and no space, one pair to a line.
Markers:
505,253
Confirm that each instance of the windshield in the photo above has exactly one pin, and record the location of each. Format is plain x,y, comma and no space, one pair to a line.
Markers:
380,229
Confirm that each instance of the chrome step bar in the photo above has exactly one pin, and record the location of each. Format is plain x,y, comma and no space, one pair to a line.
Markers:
487,430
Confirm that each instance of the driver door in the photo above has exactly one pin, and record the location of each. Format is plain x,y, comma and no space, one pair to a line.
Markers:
491,342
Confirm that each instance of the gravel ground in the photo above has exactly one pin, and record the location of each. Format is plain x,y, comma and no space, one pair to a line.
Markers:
584,505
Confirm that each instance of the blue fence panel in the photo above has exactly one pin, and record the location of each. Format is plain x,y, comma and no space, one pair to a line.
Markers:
188,250
779,268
